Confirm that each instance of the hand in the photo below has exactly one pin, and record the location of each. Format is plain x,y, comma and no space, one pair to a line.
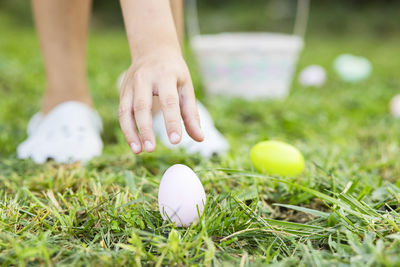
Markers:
161,72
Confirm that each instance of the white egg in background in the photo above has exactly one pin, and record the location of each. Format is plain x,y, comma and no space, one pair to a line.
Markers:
395,106
313,75
181,195
352,68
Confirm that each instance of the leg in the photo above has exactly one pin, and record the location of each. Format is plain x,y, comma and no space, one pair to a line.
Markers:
70,132
62,26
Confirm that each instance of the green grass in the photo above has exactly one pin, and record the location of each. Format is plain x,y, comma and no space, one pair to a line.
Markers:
342,210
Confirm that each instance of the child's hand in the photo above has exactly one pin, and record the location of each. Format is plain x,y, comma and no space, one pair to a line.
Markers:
157,69
158,72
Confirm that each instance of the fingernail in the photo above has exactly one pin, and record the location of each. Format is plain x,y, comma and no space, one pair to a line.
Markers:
201,133
148,146
174,138
135,148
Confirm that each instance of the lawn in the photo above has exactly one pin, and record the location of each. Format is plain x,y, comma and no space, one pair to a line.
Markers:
342,210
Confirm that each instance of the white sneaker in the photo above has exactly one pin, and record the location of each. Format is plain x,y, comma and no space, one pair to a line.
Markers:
69,133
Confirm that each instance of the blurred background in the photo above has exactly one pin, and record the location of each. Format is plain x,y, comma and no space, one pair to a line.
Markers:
379,18
368,28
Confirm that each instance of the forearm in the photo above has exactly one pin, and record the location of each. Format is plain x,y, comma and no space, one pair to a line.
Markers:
149,24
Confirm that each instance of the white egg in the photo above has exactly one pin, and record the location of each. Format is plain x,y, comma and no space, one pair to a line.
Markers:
181,195
313,75
395,106
352,68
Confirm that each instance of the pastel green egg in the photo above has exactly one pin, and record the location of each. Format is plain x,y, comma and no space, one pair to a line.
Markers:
277,158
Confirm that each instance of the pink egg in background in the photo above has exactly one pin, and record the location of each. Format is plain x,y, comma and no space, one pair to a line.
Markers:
313,75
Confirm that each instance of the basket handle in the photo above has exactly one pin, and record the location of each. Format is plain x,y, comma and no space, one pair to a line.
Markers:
300,23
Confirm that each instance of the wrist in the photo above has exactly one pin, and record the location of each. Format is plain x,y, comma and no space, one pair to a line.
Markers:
149,25
155,48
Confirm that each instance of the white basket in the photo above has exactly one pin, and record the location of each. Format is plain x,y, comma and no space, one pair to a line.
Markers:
248,65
